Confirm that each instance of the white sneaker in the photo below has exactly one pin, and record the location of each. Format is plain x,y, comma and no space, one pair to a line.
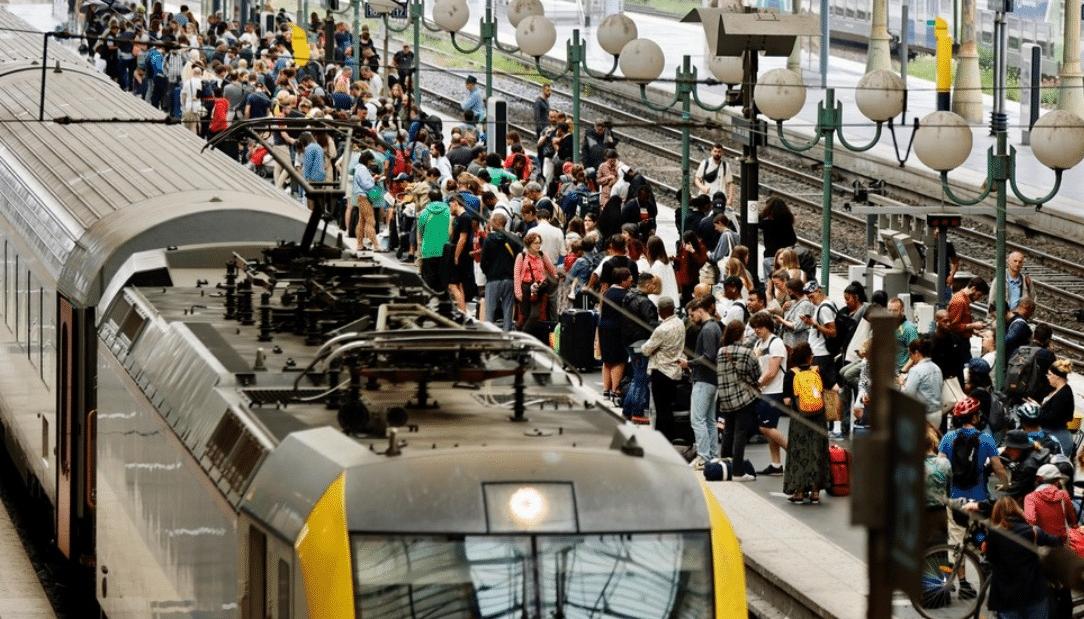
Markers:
746,477
697,464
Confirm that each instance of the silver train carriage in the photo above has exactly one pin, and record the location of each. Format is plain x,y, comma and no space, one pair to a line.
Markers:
293,436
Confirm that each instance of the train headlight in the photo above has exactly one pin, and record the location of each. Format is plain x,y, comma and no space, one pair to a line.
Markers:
527,505
514,507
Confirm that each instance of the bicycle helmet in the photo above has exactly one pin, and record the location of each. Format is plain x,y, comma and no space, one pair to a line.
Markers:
965,407
1027,410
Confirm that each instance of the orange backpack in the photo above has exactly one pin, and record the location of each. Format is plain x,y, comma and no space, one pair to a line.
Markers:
809,389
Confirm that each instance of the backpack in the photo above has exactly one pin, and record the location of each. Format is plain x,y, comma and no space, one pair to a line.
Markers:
833,344
839,470
1022,376
846,326
806,262
808,389
435,126
965,459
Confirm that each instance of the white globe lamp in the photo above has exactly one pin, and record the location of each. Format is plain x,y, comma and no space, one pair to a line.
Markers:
615,32
779,94
1057,139
642,60
518,10
727,69
879,95
943,141
451,15
535,35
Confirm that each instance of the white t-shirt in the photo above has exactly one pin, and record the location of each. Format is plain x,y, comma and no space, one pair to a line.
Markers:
764,352
736,310
824,314
553,240
190,92
665,273
721,179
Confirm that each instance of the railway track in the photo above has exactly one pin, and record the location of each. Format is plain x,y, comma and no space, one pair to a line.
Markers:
1060,279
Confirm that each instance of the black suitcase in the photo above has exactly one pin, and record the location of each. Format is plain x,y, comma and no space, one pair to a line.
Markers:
577,343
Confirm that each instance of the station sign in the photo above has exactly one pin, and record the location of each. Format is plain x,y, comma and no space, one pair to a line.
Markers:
375,9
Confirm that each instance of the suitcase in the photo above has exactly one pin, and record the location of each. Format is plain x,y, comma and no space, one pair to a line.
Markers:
839,467
577,343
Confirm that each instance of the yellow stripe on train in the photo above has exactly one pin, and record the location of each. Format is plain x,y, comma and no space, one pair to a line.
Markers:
727,563
323,549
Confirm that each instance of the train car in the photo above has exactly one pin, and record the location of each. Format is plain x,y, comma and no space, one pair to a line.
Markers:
225,423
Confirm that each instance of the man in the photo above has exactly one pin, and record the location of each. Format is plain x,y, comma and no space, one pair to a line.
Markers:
771,355
553,240
969,451
713,174
235,91
958,319
1018,332
665,352
312,160
461,285
906,333
595,143
1017,284
924,379
404,63
474,102
638,321
702,399
459,154
617,256
542,109
433,223
368,76
822,328
499,253
732,305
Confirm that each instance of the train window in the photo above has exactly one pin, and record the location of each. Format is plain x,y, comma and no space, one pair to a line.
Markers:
132,324
257,562
283,592
223,439
243,459
118,311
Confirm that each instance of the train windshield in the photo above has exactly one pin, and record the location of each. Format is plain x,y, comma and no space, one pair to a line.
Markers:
663,575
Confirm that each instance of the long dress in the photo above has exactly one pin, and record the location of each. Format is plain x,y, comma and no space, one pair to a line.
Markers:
807,448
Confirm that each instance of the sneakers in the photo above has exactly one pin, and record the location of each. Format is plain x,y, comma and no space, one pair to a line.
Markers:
835,436
697,464
967,592
746,477
771,470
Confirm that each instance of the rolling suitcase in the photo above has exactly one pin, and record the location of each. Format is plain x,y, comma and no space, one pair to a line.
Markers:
577,343
839,465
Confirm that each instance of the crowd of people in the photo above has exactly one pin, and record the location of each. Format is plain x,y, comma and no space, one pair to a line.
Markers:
522,238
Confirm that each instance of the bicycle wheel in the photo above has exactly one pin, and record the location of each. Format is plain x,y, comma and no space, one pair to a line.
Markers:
953,583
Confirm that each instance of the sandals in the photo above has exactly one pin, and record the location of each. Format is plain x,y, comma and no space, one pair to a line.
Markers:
815,497
797,497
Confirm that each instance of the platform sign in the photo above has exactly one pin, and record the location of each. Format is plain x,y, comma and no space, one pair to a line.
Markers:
373,10
907,492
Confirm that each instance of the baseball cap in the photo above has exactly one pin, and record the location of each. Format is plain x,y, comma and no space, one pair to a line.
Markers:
1017,439
811,287
1049,472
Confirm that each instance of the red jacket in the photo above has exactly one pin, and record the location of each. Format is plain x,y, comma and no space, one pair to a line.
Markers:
219,122
1049,508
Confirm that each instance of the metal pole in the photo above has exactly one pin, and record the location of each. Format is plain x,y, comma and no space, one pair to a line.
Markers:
880,52
488,32
750,181
683,89
304,23
943,292
417,13
44,72
576,56
828,110
357,43
1000,175
905,33
825,43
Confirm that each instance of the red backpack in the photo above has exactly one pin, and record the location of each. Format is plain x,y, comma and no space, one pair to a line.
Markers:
839,466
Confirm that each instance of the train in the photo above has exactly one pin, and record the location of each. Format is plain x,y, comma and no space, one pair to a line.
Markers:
224,421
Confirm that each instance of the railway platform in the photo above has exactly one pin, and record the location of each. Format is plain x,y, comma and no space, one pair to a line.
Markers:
21,592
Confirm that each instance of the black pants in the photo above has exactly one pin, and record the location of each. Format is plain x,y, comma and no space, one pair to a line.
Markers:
664,390
740,425
827,366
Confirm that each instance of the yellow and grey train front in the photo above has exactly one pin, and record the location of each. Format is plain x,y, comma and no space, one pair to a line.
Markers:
620,530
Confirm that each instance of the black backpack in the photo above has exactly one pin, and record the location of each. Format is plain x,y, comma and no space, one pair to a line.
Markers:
1022,375
965,459
833,344
806,262
435,126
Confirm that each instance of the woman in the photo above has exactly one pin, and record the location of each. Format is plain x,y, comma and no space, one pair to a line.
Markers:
738,374
806,471
778,297
1018,588
692,255
734,267
220,108
609,218
534,277
607,174
777,224
787,259
658,264
1049,506
633,245
614,353
938,473
1057,408
793,329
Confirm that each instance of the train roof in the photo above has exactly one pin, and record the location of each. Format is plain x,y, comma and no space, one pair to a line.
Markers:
85,195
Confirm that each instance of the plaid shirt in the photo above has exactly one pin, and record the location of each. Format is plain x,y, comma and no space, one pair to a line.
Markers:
738,372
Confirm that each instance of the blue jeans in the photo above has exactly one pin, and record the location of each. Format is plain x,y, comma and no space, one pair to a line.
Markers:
702,419
501,292
1038,610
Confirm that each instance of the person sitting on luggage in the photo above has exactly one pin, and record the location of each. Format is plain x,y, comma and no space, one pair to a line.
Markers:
665,351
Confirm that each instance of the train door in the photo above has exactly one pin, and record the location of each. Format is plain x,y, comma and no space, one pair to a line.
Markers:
75,436
267,568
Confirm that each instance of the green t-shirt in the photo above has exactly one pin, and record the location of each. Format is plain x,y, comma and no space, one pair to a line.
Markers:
433,228
497,175
905,334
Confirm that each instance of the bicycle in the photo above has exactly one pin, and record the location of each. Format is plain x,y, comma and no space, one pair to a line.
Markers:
955,578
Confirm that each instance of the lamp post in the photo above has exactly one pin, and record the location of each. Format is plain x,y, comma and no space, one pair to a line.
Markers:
452,15
780,96
642,61
536,35
943,142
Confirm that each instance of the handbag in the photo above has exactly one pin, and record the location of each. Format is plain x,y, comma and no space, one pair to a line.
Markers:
951,393
833,406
